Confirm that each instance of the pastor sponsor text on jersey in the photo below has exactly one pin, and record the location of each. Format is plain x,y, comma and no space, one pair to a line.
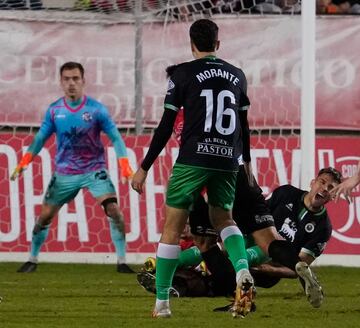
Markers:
212,149
217,72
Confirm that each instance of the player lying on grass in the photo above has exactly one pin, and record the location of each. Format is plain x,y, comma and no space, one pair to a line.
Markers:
298,216
253,216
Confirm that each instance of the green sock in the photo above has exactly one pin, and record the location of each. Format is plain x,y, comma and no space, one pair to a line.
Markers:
256,256
165,269
190,257
235,246
166,262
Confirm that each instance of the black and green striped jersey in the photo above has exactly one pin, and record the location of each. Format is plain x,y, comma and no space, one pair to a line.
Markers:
307,231
213,95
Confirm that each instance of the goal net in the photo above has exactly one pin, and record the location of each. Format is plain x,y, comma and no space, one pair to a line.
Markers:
125,47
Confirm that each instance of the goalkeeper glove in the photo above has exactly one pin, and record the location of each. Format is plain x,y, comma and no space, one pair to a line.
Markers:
126,171
25,161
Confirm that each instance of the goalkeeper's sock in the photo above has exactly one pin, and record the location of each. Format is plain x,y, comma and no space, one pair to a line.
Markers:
118,239
235,246
166,263
39,236
190,257
256,256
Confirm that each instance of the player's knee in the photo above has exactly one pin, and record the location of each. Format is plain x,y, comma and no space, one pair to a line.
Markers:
44,221
263,238
111,207
38,227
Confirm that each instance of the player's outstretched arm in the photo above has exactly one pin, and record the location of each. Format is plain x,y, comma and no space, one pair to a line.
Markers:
274,270
346,186
46,130
158,142
138,180
33,149
249,174
246,142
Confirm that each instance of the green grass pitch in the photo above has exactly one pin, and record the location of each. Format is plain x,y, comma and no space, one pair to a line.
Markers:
86,295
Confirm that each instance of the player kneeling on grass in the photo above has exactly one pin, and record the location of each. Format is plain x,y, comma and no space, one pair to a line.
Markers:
300,219
77,120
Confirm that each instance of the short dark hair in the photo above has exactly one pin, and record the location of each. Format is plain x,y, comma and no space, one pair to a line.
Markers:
204,34
333,172
72,65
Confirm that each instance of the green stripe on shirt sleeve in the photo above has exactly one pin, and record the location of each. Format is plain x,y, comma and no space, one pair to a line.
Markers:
172,107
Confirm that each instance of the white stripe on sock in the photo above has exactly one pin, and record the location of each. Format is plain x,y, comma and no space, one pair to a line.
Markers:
167,251
229,231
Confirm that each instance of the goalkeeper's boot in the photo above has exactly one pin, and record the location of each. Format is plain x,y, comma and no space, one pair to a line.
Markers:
244,296
124,268
28,267
162,311
313,289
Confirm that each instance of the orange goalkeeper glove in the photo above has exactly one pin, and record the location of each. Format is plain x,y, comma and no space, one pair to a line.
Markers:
25,161
126,171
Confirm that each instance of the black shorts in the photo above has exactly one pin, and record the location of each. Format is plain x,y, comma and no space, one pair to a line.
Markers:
250,211
199,220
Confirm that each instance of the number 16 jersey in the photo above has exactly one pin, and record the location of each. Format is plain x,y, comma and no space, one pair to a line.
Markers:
212,93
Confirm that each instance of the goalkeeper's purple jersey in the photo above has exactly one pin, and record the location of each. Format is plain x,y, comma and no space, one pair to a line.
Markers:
79,148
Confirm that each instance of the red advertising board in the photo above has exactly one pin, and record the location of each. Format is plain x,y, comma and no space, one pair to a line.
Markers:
82,227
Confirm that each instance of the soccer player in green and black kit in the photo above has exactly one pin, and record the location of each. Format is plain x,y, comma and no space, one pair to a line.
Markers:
215,134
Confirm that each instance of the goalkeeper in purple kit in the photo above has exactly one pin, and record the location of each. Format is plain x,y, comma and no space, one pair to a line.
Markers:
77,120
